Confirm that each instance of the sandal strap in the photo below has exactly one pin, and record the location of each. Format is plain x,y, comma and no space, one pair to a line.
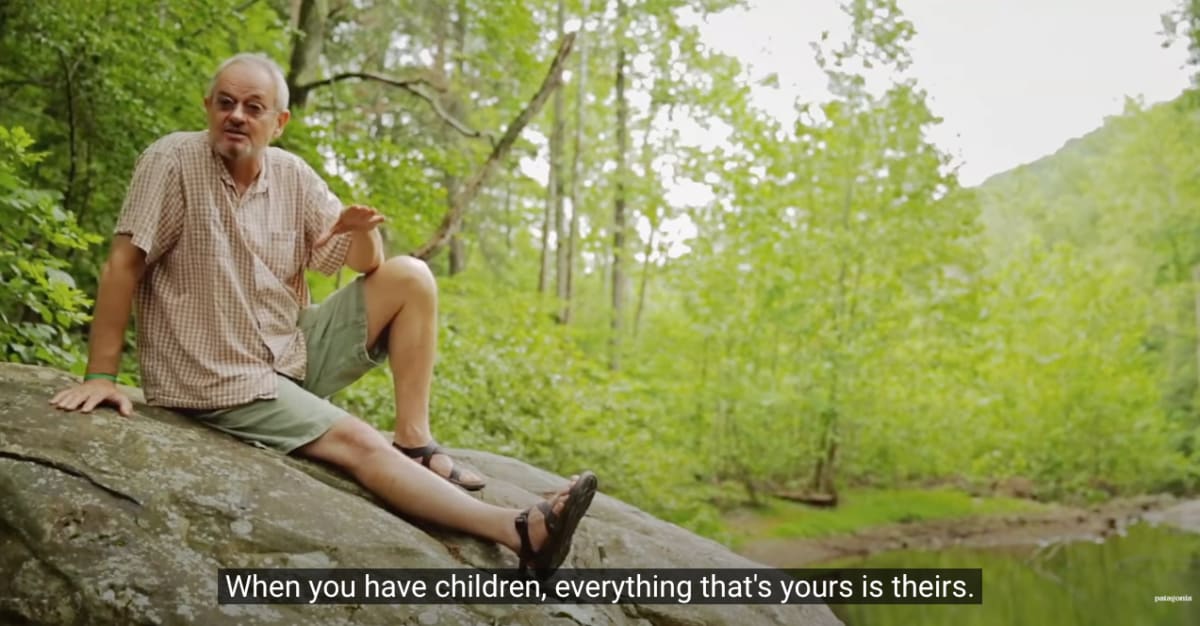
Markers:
425,452
526,553
425,455
548,516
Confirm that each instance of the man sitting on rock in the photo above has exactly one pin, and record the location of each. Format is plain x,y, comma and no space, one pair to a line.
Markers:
214,237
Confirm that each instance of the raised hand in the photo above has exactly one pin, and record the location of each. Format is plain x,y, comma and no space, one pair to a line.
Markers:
353,218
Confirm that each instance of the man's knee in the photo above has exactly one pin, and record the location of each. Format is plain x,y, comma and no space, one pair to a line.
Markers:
349,442
408,271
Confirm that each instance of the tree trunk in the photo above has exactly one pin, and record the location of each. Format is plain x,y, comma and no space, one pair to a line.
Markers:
547,220
653,214
508,218
825,470
641,303
307,43
72,137
552,218
556,183
458,251
573,241
457,261
823,479
618,269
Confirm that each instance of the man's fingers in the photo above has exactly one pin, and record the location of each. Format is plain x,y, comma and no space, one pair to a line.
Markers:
358,213
91,403
67,400
354,217
124,405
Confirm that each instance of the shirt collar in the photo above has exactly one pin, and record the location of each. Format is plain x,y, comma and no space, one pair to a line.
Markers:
260,184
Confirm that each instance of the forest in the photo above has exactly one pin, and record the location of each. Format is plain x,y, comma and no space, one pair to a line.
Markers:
829,308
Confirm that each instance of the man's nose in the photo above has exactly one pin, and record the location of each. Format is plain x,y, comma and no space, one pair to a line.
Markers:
238,114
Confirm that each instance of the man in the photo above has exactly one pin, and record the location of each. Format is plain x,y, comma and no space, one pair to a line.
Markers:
214,237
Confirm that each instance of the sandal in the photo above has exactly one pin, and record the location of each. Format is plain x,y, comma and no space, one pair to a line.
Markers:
425,454
560,527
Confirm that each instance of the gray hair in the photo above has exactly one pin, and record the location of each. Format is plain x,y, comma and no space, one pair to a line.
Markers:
262,61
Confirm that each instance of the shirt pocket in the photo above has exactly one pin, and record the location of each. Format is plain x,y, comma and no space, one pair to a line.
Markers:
280,253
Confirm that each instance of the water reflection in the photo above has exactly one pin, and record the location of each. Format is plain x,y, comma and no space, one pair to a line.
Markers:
1064,584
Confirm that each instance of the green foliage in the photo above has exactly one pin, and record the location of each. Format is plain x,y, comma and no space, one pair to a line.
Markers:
97,82
845,315
1183,22
509,380
1096,245
40,305
1064,361
841,251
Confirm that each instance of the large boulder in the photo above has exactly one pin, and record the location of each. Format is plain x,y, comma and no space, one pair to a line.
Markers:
112,520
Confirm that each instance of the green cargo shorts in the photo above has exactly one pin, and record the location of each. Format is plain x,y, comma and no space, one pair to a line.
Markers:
336,333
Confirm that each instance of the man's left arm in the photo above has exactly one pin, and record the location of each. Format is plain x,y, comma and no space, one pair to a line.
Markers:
338,236
366,250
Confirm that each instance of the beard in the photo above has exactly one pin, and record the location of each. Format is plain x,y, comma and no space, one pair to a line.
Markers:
232,150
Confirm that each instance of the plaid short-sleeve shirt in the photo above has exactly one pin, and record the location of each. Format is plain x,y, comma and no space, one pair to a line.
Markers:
218,306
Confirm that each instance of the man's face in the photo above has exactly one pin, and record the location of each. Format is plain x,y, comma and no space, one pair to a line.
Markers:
243,116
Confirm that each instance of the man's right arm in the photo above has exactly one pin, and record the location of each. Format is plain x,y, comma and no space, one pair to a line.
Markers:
150,223
114,300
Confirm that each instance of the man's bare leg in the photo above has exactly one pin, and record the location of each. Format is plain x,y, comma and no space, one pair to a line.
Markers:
411,490
401,299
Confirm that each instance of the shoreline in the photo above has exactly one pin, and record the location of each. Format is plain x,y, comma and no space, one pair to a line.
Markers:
1063,524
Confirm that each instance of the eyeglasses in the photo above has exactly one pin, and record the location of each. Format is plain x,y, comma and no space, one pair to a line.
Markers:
253,109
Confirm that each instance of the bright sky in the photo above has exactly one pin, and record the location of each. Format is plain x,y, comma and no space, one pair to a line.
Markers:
1012,79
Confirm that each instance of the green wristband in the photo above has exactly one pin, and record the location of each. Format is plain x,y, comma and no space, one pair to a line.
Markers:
94,376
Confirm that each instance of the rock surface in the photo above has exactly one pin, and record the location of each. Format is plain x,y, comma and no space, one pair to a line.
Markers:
1184,516
112,520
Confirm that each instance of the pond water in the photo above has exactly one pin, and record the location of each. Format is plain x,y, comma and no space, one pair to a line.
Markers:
1085,583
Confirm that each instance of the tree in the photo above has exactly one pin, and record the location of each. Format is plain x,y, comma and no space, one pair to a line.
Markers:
39,303
620,176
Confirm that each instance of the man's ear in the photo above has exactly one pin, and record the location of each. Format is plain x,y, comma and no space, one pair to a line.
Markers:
282,121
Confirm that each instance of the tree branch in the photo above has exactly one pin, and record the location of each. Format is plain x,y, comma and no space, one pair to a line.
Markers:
410,85
467,192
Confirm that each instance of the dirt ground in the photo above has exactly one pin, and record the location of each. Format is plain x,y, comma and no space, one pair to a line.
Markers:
1013,529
